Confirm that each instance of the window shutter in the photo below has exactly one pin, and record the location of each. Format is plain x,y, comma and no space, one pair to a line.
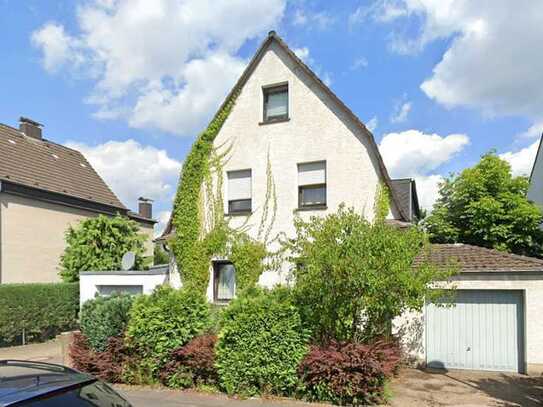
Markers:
312,173
239,185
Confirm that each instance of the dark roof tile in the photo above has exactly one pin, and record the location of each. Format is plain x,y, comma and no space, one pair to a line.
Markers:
479,259
51,167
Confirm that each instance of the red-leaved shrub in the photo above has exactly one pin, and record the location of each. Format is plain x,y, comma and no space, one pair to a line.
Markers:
107,365
192,364
348,373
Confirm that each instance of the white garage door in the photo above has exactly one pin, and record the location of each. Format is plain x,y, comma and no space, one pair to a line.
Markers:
482,331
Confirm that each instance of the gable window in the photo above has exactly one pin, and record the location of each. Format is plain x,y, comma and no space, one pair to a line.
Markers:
239,192
276,103
224,287
312,185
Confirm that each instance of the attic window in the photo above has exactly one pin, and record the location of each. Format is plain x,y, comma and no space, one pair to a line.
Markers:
12,141
54,156
276,103
83,165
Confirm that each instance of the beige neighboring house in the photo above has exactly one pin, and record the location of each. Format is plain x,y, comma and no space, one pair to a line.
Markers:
44,188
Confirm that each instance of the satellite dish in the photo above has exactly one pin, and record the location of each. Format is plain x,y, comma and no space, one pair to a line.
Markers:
128,261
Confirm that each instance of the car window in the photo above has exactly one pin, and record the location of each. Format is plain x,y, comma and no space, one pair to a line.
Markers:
95,394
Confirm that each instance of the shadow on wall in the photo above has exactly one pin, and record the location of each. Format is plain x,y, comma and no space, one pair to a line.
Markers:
411,331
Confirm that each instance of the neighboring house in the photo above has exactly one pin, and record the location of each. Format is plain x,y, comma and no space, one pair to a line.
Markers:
535,191
319,155
496,321
406,192
44,188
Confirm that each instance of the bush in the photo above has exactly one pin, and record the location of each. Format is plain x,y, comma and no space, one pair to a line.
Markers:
41,310
98,244
355,277
105,317
192,365
163,321
260,344
348,373
107,365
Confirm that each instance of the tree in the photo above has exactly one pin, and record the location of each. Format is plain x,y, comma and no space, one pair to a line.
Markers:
160,256
99,244
486,206
353,277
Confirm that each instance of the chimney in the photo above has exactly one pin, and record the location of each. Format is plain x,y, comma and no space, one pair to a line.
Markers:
145,207
30,128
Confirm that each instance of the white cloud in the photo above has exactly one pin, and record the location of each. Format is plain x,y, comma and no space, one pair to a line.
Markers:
414,154
401,112
132,170
535,130
58,47
372,123
150,58
427,190
491,64
522,161
359,63
302,53
163,217
320,20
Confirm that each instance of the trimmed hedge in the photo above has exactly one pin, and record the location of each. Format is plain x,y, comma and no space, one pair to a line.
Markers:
162,322
41,310
261,344
105,317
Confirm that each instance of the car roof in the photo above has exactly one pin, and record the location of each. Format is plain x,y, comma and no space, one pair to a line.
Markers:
22,380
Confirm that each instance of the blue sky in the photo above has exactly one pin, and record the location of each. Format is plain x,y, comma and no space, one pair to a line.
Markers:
130,83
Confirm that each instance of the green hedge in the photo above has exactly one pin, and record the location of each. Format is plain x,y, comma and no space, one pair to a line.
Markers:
105,317
261,344
41,310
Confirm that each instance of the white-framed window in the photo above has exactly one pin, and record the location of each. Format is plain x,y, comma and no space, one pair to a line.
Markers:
275,103
224,281
312,185
239,191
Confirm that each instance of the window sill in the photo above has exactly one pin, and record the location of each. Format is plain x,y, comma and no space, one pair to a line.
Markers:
311,208
221,303
244,213
266,122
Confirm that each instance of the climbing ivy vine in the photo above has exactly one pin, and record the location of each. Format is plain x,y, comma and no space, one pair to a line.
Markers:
201,230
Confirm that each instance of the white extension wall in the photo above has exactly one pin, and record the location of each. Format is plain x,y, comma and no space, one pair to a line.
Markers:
96,283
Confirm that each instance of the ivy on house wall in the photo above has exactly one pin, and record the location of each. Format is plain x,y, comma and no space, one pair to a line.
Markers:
201,230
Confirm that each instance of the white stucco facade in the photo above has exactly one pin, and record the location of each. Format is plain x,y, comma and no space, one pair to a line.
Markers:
317,129
411,327
96,283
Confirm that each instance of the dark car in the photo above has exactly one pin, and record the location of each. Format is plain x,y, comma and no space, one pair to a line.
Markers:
46,384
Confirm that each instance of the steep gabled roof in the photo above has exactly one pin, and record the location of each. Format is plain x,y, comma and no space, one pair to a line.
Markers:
47,166
272,36
473,259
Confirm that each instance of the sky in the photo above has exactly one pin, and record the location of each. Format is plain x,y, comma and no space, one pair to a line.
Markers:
130,83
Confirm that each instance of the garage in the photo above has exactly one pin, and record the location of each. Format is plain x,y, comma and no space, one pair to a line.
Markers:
495,323
482,330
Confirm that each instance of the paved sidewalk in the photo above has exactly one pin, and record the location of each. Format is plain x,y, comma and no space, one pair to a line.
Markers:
49,351
145,396
413,388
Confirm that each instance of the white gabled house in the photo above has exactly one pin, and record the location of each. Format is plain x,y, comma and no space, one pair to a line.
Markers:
288,125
